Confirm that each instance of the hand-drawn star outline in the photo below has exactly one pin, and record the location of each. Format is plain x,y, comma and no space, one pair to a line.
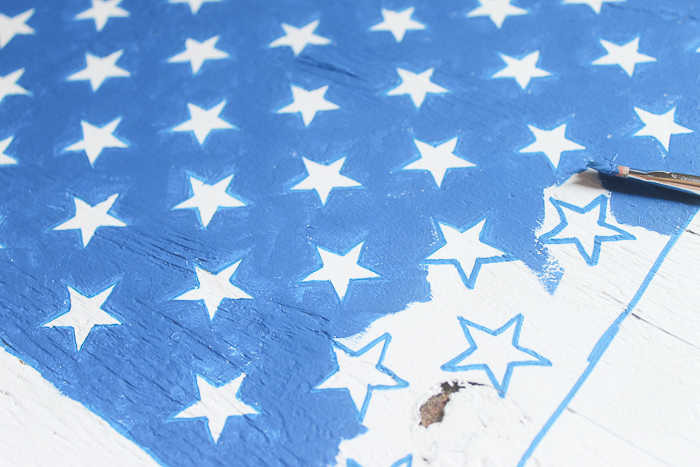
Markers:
469,280
501,387
400,383
602,202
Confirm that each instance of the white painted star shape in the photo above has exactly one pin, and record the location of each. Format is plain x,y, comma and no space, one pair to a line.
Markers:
308,103
626,56
438,159
4,158
552,143
9,86
195,5
95,139
84,314
323,178
416,85
98,69
213,288
466,248
359,374
198,52
660,126
522,70
299,38
340,270
595,5
203,121
12,26
497,10
207,199
101,11
217,404
398,22
89,218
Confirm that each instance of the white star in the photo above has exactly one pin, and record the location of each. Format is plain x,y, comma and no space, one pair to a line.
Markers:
465,247
552,143
359,374
202,121
4,158
217,404
416,85
9,86
10,27
660,126
214,288
340,270
95,139
523,70
198,52
323,178
497,10
101,11
308,103
595,5
624,55
84,314
89,218
438,159
98,69
398,22
299,38
195,5
207,199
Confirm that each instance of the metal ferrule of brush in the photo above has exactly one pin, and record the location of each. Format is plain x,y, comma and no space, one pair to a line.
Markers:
680,182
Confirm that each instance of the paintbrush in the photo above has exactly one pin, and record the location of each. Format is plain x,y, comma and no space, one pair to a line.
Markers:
675,181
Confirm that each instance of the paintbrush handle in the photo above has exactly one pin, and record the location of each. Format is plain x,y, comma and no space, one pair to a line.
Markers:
676,181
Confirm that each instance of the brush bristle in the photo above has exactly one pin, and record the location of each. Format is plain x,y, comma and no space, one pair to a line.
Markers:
604,167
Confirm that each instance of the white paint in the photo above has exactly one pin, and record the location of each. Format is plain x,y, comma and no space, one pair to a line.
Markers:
42,427
324,178
595,5
98,69
481,428
522,70
398,22
660,126
198,52
203,121
12,26
340,269
626,55
4,158
84,314
438,159
89,218
101,11
208,199
308,103
9,86
298,38
496,10
214,288
95,139
194,5
217,404
416,85
552,143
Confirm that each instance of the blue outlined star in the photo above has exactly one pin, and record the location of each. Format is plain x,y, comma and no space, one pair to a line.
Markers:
582,224
405,462
493,354
467,251
357,373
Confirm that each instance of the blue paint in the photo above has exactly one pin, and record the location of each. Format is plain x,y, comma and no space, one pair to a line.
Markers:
405,462
501,386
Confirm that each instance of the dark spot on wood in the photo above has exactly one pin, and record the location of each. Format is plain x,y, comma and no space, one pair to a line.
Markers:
434,409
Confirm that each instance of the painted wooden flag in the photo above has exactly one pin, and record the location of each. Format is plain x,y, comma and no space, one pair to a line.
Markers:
271,233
